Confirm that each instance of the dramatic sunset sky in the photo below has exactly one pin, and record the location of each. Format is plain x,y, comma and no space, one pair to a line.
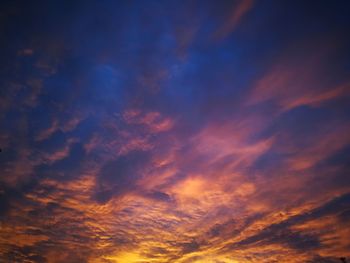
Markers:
174,131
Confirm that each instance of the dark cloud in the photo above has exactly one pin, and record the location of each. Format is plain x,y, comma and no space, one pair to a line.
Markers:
190,247
276,234
320,259
67,168
120,175
10,197
283,233
160,196
22,254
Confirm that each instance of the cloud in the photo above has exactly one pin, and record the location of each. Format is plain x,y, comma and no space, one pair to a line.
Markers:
238,12
129,135
119,176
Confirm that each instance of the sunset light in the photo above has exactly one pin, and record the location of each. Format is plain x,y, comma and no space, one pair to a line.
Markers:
163,131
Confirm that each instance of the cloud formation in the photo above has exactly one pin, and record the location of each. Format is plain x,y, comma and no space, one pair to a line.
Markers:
130,135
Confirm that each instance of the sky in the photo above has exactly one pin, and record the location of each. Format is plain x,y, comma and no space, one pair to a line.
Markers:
174,131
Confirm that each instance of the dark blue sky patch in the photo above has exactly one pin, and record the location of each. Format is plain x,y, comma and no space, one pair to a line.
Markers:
120,175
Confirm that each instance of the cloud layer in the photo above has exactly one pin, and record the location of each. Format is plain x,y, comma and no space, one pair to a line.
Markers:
199,131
